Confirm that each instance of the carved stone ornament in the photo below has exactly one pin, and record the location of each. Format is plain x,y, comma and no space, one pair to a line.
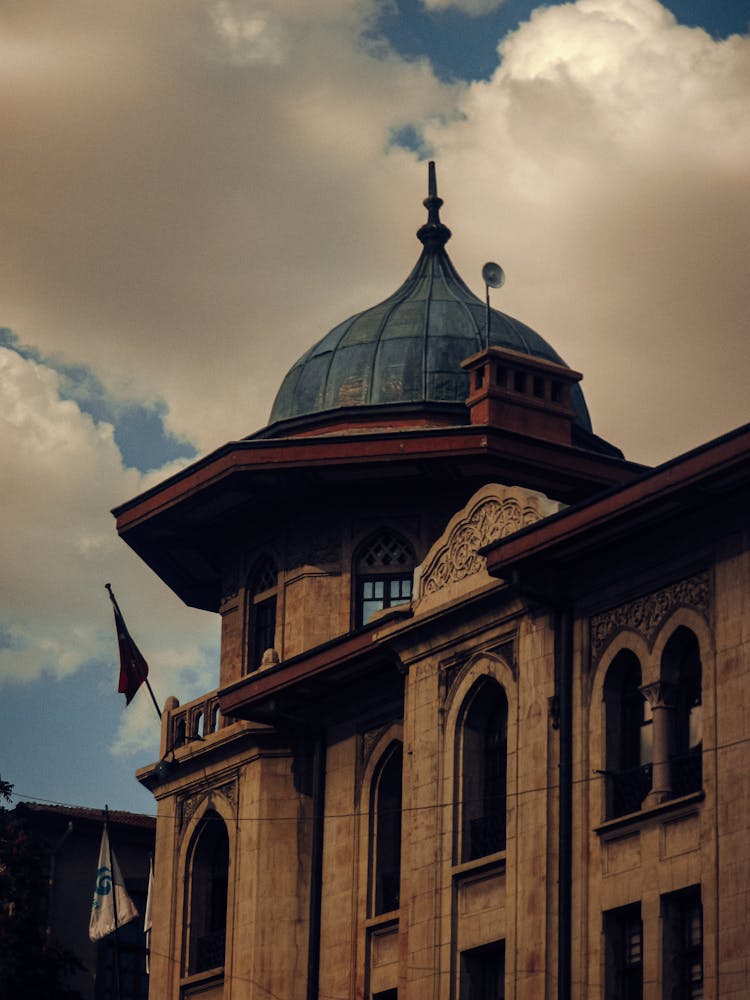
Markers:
368,743
647,614
453,565
190,803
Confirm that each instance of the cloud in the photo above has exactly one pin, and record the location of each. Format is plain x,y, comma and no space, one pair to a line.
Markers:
62,474
474,8
195,192
607,158
176,170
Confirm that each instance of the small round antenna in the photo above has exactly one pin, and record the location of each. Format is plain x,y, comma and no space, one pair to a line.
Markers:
493,274
493,277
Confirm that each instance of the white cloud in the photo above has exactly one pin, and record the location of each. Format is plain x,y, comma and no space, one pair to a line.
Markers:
607,159
195,192
62,474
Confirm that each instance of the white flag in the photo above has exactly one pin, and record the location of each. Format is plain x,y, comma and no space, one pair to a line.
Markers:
109,878
147,919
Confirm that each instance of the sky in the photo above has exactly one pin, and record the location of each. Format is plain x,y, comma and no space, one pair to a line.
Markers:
195,191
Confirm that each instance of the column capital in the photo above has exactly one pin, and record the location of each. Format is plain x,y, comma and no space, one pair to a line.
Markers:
660,694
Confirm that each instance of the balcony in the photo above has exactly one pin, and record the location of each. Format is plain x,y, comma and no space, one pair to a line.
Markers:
195,721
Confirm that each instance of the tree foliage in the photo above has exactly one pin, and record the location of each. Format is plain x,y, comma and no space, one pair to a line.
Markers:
31,965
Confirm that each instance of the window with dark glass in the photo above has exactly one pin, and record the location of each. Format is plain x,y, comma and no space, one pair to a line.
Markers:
209,880
385,833
383,575
262,597
482,972
682,923
623,938
682,920
482,749
681,665
629,736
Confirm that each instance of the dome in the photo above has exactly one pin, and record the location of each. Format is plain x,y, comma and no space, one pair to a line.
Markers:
408,349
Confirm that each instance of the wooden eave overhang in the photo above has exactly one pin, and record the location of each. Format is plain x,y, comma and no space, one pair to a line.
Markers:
554,550
298,689
349,667
171,525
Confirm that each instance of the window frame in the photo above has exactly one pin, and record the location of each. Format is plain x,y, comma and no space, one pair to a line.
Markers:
261,598
395,567
473,812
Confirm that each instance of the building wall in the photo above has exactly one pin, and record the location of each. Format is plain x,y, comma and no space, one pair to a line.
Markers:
449,908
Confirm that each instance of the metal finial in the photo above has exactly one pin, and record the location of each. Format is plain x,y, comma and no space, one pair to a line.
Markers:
433,234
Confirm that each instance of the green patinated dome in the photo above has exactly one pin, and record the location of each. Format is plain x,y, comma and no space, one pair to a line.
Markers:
408,349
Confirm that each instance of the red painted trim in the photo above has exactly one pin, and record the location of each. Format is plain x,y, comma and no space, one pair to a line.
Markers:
579,525
360,449
266,683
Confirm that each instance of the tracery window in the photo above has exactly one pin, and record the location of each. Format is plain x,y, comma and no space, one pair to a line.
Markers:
383,572
385,832
207,900
629,736
262,603
482,753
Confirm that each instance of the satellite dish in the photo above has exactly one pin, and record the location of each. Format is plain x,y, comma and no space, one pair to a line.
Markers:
493,274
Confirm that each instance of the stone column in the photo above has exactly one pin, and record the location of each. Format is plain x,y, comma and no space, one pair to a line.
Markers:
662,697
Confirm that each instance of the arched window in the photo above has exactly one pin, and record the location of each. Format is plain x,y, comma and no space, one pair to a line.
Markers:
629,735
262,593
482,748
385,832
681,668
383,570
207,901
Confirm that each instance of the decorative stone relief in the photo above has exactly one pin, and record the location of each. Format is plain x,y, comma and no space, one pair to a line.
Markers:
453,564
646,614
188,804
368,742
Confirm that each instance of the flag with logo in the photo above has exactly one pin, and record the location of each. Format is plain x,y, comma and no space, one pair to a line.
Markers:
112,906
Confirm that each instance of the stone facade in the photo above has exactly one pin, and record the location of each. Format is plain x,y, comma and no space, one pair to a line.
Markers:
461,917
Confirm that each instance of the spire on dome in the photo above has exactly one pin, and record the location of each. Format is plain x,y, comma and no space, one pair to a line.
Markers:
433,235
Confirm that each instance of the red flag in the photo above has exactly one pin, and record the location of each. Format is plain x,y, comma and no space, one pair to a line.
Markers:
133,667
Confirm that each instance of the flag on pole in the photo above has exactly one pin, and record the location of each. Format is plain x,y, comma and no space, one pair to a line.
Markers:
147,919
111,906
133,667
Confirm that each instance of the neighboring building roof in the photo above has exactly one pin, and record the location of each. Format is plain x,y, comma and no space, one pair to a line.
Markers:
82,813
408,349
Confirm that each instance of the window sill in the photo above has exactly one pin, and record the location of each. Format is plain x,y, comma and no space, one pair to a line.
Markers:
383,920
496,860
206,977
671,806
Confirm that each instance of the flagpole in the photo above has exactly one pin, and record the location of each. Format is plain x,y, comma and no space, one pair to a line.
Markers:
118,971
108,588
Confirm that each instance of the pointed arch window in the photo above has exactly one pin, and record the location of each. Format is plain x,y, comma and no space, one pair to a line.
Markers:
383,571
385,833
629,736
262,605
482,748
207,899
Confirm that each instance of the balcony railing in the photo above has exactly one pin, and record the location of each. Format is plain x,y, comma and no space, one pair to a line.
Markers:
628,789
195,720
